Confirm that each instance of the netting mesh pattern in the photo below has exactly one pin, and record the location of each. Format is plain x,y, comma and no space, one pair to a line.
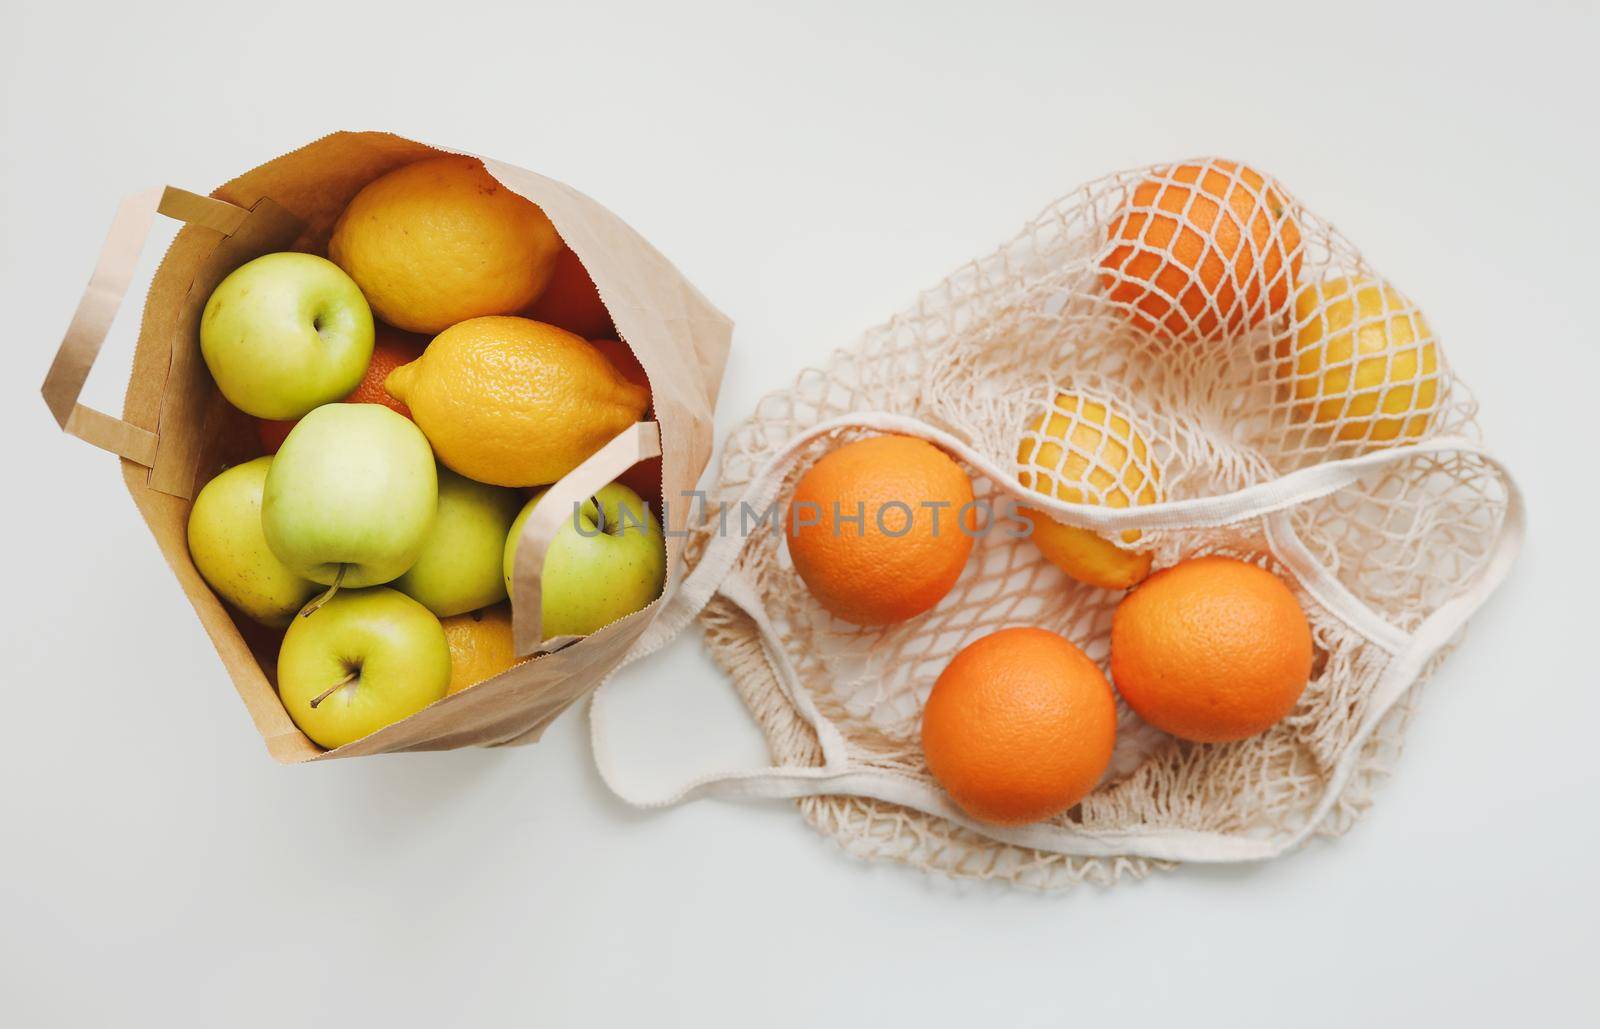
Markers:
1159,334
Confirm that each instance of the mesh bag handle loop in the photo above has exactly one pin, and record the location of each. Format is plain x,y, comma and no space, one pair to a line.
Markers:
715,575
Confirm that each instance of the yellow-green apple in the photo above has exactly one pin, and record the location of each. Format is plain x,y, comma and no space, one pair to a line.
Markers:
361,661
286,333
229,548
351,495
607,560
459,567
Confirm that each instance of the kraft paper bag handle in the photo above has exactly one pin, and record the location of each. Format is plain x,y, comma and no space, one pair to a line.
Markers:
86,334
638,442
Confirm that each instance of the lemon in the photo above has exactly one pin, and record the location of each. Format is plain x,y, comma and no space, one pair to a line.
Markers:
1081,451
1363,358
440,241
515,402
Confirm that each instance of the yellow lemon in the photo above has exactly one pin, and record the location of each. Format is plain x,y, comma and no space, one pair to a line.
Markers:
515,402
480,646
1081,451
439,241
1364,358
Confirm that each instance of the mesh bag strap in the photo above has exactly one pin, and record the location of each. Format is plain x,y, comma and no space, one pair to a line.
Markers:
716,575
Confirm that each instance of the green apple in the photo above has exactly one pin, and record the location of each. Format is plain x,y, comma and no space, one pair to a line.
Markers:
351,495
459,567
286,333
598,569
229,548
362,660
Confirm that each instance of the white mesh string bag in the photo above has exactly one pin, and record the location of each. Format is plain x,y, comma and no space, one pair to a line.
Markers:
1295,411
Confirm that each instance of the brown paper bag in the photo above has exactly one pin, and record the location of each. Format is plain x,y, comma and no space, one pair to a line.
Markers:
176,431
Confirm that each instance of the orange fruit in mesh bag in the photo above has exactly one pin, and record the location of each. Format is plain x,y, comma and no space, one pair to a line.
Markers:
1019,727
880,528
514,402
1362,358
439,241
1212,649
1082,451
1202,251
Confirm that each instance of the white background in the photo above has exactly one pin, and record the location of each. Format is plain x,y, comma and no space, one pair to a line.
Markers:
810,171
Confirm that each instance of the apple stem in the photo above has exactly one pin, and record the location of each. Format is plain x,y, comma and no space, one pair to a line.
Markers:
327,595
325,694
599,513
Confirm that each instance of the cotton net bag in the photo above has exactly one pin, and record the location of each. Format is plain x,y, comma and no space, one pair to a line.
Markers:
1288,407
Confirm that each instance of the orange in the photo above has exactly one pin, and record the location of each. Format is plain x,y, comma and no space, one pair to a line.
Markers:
1363,358
514,402
1202,251
1211,650
643,478
873,528
480,646
391,349
571,301
1020,726
439,241
1082,451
